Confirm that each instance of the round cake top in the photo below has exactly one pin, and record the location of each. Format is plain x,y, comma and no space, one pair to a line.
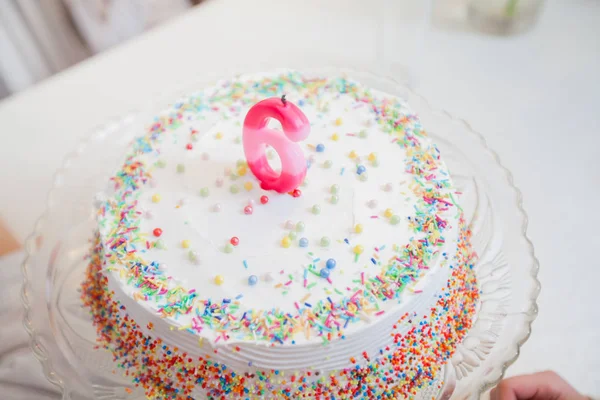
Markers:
189,233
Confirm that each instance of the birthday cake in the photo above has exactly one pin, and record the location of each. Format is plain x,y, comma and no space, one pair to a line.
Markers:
283,237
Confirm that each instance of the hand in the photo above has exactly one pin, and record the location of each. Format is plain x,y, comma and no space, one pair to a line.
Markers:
540,386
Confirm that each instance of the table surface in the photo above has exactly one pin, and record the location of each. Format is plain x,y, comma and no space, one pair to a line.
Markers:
534,97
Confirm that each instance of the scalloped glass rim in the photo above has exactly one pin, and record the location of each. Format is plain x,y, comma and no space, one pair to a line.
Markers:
33,245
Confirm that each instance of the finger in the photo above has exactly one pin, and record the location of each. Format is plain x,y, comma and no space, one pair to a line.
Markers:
494,394
542,385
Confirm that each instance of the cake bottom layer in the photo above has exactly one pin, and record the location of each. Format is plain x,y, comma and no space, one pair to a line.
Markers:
419,346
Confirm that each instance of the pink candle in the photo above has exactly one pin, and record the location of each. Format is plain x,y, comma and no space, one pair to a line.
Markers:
256,137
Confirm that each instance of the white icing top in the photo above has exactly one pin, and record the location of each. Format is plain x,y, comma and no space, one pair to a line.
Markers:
269,289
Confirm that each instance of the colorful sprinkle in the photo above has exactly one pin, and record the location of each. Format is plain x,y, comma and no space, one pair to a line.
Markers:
193,256
252,280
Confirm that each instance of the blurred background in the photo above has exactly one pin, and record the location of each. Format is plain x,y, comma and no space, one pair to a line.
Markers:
39,38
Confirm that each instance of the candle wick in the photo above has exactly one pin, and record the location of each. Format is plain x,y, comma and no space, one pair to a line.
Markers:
283,99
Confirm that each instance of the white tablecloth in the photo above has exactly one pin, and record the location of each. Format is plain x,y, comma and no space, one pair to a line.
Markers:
535,97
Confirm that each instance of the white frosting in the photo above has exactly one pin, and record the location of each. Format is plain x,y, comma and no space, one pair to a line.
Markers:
184,214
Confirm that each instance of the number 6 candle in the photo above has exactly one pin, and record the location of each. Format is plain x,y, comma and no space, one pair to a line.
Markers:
256,137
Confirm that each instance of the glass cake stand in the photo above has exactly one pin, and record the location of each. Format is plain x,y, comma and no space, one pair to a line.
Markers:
63,338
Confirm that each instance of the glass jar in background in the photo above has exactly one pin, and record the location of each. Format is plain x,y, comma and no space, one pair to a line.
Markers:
504,17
